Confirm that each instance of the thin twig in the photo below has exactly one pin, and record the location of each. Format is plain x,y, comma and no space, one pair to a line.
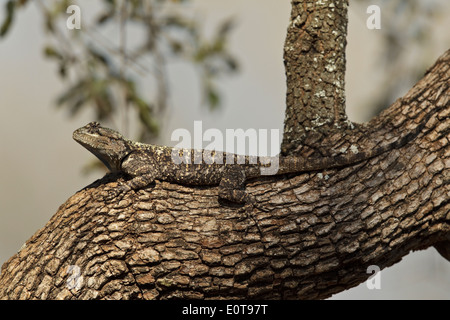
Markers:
123,59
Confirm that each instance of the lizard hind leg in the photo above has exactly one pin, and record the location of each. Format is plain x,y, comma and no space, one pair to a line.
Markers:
232,185
232,188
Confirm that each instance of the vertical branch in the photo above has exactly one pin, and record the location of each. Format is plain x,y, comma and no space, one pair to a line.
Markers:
65,43
159,61
123,61
314,57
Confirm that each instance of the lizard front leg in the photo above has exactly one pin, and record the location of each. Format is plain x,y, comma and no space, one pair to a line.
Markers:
231,186
141,168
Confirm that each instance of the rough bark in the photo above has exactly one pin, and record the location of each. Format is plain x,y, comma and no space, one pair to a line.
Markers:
320,232
314,58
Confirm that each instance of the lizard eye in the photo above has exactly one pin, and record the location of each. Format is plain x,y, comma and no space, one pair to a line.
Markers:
93,126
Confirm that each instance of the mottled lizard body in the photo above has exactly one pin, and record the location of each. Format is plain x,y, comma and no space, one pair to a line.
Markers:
145,163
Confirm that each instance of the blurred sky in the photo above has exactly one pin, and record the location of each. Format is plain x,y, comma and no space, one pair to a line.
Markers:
40,164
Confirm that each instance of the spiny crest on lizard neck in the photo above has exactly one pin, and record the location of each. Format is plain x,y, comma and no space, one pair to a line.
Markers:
107,145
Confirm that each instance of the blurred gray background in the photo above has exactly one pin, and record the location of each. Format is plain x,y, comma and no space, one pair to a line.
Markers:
41,166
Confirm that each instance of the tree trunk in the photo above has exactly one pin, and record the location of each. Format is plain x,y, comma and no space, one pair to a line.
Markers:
321,231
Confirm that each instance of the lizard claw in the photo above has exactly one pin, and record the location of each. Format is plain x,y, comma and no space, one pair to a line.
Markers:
251,201
117,193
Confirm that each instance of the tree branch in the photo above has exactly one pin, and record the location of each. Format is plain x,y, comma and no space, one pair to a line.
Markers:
322,232
319,232
314,57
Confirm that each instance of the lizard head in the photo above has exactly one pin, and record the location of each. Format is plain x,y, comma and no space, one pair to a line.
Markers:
107,145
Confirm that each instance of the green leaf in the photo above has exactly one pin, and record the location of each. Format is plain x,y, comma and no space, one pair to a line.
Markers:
76,104
10,8
71,93
62,70
104,104
145,115
231,63
225,27
176,46
97,55
213,97
105,17
51,52
49,22
110,3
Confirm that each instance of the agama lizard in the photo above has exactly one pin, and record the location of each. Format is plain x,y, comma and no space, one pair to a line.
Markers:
145,163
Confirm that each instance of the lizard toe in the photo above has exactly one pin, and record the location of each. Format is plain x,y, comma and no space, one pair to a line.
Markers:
117,193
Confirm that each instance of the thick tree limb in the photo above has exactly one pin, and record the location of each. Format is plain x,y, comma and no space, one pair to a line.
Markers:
319,231
322,232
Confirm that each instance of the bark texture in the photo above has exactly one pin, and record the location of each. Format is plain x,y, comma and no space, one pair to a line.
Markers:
319,231
314,58
322,231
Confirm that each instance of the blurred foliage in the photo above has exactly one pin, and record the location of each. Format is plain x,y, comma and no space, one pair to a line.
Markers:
407,44
104,72
103,66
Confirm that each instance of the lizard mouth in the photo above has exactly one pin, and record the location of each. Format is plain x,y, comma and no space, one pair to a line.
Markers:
106,144
87,134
